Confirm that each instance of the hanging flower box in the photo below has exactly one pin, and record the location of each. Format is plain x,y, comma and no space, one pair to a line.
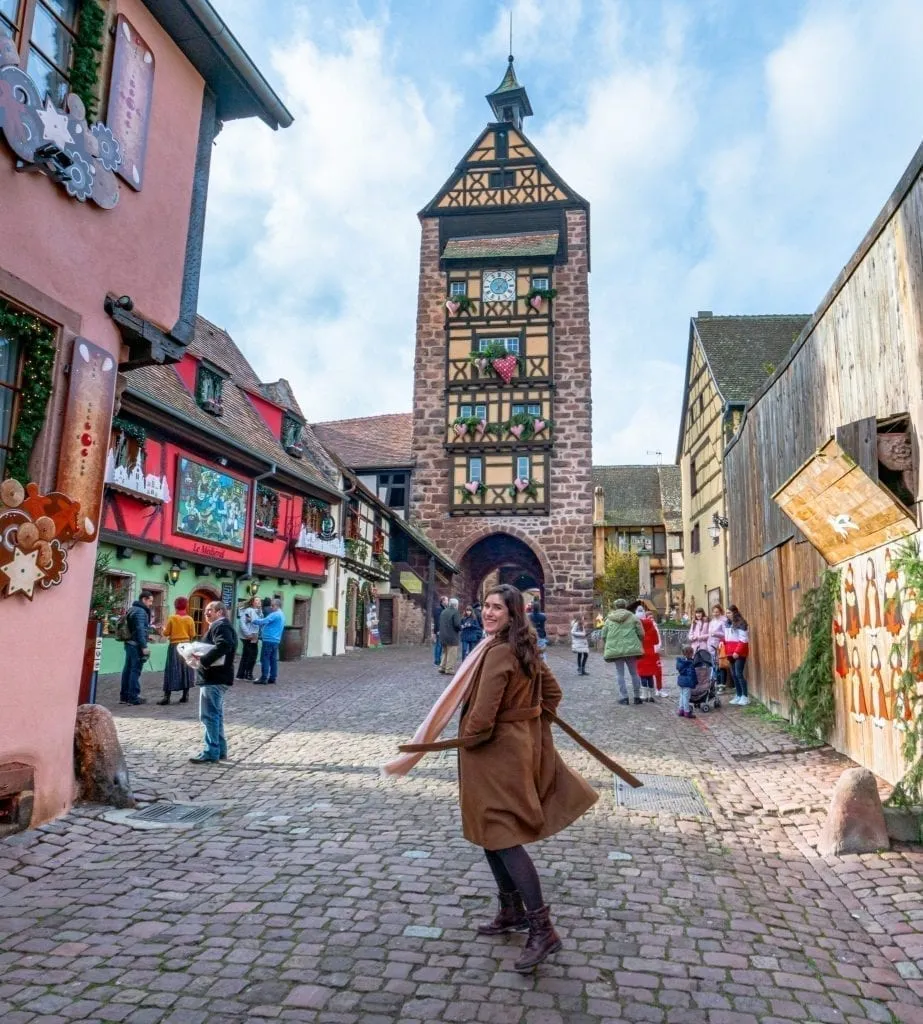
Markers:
212,406
357,550
457,304
537,297
524,486
471,490
295,450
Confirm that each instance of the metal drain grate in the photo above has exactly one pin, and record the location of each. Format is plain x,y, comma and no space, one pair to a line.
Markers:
165,813
662,794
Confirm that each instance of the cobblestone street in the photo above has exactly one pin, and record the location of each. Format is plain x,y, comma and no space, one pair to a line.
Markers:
321,893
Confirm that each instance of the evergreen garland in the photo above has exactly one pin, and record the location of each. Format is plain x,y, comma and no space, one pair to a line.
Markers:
810,686
131,430
84,77
909,791
37,340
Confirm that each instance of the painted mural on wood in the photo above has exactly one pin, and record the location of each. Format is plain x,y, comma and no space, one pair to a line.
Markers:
877,634
131,92
210,505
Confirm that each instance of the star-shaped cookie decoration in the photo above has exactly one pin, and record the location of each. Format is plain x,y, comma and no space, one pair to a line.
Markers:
55,123
23,573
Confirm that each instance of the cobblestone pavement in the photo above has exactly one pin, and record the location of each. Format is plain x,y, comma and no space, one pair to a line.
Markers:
321,893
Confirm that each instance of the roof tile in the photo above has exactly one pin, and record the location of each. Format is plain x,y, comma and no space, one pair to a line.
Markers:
543,243
641,495
369,441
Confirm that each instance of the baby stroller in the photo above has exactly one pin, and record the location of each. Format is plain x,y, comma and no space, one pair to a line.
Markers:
704,695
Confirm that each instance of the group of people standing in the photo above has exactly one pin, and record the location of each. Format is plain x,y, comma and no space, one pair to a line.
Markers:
726,638
261,621
631,641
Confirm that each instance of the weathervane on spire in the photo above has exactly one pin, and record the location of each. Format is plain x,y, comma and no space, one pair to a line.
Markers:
509,100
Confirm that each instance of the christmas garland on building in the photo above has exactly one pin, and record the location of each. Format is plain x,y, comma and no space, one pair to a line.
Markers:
84,77
131,430
37,340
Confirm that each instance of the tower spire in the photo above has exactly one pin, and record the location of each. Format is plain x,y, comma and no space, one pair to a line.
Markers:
509,101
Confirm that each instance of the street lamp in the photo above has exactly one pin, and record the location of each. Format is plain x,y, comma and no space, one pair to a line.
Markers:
253,587
172,576
718,523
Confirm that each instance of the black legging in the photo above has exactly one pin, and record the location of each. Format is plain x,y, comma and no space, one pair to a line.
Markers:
581,660
513,870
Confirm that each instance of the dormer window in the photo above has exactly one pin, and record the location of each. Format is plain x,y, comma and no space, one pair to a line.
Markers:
291,436
267,511
208,389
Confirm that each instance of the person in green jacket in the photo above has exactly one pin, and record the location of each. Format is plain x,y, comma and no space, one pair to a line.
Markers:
622,634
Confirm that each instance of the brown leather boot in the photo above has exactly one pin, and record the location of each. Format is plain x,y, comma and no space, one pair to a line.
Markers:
543,940
510,918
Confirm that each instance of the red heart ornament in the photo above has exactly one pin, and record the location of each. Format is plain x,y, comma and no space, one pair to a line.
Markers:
505,368
452,307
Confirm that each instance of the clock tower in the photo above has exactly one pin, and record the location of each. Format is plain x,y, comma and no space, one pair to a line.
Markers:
502,432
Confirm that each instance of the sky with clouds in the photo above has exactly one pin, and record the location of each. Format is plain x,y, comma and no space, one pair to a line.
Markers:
733,152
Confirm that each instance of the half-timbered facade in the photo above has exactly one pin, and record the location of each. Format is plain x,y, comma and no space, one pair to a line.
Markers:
502,423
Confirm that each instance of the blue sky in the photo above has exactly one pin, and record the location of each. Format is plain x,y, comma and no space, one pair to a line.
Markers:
734,153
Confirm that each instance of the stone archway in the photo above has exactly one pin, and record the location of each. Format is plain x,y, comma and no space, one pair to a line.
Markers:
502,558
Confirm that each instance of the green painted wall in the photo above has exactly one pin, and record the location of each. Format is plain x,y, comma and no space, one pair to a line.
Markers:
113,655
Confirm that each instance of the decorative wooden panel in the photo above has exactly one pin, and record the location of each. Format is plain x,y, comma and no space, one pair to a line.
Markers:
131,92
839,508
472,189
85,437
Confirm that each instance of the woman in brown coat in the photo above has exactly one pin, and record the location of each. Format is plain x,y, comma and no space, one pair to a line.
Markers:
513,786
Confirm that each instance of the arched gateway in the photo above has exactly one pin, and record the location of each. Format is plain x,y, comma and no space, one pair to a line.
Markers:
501,424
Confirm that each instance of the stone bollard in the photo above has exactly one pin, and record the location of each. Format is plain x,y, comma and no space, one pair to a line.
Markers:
855,821
99,764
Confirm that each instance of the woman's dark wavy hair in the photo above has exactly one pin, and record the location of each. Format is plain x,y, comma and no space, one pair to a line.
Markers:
520,636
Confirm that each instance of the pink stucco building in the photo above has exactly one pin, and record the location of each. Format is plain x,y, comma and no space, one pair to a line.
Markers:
102,226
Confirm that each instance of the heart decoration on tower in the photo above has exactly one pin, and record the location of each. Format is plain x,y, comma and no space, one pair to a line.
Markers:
520,484
536,302
453,307
505,368
480,430
460,429
538,426
517,429
472,486
481,364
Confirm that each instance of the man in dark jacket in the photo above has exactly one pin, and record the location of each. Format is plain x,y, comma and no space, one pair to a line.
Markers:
213,681
136,649
449,634
437,643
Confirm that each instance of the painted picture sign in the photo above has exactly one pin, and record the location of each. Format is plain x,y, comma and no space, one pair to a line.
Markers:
210,505
130,94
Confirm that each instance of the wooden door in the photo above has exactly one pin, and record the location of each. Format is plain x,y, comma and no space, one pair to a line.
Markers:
198,599
386,619
301,619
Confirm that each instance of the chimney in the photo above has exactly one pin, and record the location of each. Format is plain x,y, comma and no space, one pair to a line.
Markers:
703,314
599,511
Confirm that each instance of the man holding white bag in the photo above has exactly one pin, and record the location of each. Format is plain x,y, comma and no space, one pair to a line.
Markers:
214,673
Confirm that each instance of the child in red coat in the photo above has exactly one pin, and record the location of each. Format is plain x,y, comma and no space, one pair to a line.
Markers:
649,666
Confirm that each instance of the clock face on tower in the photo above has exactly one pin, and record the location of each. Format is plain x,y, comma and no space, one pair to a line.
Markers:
500,285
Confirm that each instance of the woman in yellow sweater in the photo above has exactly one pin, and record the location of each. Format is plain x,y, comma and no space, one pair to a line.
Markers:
177,675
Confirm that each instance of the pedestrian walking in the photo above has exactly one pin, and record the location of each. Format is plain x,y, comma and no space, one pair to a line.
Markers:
580,644
214,674
648,665
179,628
471,632
514,788
449,636
271,627
622,636
699,632
538,618
138,631
737,647
248,622
437,643
686,681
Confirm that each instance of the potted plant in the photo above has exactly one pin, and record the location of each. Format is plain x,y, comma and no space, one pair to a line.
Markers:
537,296
522,485
471,490
457,304
356,549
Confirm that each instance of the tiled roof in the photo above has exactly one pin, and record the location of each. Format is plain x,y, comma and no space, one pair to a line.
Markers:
241,424
280,392
743,351
641,495
544,243
370,442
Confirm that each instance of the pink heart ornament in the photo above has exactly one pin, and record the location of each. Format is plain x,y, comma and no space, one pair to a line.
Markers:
472,486
538,426
481,364
460,429
517,430
452,307
520,484
536,302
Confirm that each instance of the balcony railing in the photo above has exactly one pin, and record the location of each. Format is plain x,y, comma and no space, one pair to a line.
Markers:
463,371
497,500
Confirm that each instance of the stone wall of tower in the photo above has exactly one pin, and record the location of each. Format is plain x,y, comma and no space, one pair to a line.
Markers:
562,540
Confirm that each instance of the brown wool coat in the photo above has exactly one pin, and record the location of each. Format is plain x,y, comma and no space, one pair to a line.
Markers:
513,786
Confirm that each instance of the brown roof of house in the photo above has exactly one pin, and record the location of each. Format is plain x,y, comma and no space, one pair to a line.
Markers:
544,243
369,441
240,423
641,495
